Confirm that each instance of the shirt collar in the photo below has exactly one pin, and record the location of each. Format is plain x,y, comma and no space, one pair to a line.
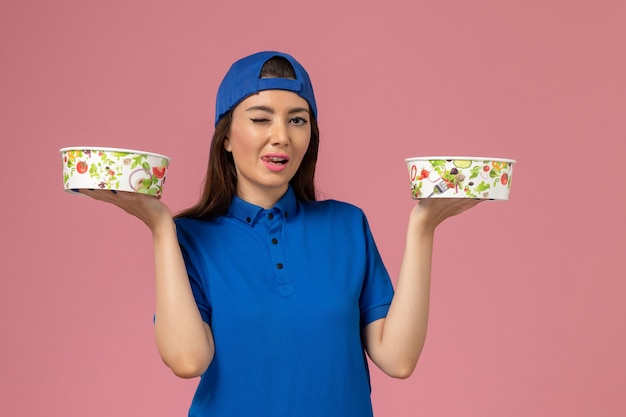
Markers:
250,213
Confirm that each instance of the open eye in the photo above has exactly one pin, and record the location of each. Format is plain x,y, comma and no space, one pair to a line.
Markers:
299,121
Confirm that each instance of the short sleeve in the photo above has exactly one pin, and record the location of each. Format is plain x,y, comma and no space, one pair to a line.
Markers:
193,259
377,291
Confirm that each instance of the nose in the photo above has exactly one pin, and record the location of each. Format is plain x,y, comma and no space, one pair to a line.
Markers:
279,134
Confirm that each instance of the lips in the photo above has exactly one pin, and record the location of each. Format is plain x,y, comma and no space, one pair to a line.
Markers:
275,159
275,162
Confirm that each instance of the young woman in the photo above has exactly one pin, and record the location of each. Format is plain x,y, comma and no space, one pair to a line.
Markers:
271,296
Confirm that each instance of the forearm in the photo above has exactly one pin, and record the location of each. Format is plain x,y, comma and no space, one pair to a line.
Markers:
395,342
183,339
405,327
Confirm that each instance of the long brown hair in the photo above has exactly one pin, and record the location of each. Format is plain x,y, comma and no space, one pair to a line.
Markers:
220,182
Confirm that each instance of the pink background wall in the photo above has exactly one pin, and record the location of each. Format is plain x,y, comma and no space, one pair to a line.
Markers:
528,303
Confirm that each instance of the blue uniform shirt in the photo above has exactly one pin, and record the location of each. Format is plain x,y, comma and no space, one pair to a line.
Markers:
286,292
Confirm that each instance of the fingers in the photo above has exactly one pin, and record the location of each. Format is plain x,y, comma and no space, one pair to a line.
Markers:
450,203
461,204
125,200
96,192
113,196
143,206
433,211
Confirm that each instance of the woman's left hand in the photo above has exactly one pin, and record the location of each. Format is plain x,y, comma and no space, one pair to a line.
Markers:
431,212
394,343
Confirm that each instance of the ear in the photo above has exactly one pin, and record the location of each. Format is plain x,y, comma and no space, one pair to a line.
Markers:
227,145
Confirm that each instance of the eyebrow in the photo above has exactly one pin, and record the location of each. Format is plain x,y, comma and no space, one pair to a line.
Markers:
271,110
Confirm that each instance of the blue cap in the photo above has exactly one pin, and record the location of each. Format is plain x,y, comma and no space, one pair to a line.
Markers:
242,80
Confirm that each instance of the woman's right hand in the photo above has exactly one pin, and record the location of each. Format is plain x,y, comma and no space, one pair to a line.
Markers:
146,208
184,340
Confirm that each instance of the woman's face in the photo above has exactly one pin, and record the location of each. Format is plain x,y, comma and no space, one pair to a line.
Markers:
269,135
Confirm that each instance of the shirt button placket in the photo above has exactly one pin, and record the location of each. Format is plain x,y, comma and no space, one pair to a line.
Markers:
283,280
274,228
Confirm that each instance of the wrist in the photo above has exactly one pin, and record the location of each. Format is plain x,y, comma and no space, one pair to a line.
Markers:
162,226
421,222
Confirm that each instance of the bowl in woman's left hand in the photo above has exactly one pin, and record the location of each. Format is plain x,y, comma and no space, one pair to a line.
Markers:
460,177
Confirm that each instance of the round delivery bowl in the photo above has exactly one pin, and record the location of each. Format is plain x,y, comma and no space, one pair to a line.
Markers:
460,177
91,167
